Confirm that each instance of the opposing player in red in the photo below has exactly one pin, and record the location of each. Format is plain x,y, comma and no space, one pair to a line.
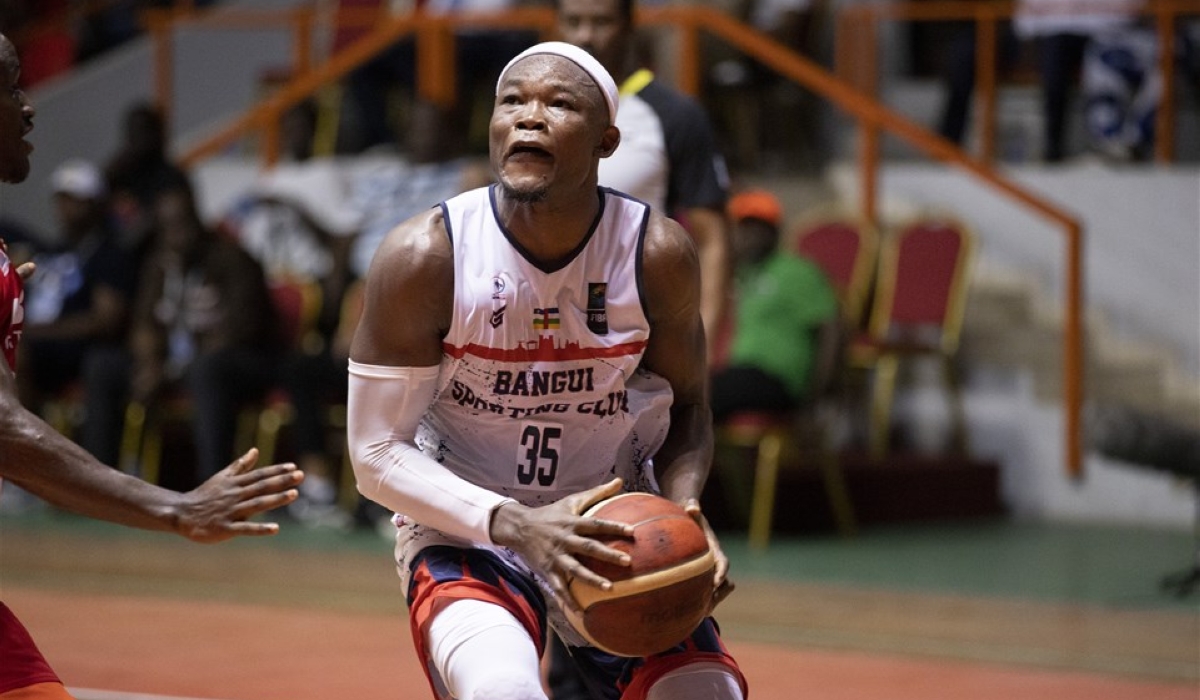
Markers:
525,350
39,460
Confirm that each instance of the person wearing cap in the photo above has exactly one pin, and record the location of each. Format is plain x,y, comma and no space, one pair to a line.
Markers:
669,156
526,350
78,301
785,317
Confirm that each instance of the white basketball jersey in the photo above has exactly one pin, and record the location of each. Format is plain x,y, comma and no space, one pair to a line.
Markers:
540,393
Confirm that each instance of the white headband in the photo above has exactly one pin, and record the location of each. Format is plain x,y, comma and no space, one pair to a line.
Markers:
581,58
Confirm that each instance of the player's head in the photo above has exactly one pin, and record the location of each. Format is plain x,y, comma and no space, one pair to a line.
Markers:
79,192
16,117
603,28
552,121
180,229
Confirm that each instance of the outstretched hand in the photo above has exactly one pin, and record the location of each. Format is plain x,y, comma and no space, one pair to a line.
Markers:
24,270
722,586
549,538
221,507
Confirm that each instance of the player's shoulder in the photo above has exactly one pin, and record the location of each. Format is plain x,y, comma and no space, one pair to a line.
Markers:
667,243
413,239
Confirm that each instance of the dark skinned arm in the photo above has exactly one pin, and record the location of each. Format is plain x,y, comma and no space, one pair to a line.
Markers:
676,352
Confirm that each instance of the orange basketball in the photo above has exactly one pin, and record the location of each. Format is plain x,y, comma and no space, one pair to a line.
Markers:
665,593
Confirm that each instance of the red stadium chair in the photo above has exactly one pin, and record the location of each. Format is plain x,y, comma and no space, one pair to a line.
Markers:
845,247
916,311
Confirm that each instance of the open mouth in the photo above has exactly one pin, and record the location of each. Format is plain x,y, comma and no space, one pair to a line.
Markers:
528,152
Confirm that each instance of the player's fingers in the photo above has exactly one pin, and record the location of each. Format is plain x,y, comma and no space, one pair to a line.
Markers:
575,570
587,499
600,526
269,479
26,270
596,549
245,463
722,592
261,504
722,569
560,585
253,529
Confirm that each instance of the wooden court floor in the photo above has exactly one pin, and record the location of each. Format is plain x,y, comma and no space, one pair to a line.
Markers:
133,616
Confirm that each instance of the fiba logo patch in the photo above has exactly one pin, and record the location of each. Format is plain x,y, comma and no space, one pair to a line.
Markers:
597,309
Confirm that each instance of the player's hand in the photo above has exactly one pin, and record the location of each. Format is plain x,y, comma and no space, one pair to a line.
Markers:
221,507
722,586
24,270
549,538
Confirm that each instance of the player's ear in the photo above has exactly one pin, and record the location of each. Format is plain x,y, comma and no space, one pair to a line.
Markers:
609,142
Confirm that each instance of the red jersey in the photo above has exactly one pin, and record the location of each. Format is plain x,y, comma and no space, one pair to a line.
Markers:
12,313
21,664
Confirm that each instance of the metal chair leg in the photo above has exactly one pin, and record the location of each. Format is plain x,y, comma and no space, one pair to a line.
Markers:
883,389
766,478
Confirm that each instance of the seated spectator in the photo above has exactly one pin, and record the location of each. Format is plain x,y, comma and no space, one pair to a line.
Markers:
296,221
786,319
137,172
80,296
203,325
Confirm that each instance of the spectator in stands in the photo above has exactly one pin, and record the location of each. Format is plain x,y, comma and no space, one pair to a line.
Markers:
203,325
1120,93
295,219
668,155
959,74
1122,87
138,172
79,298
1062,30
786,321
297,223
479,56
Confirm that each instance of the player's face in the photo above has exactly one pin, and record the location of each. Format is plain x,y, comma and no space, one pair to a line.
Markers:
548,126
16,117
598,27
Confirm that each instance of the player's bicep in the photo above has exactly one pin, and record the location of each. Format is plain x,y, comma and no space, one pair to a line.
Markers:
407,298
676,349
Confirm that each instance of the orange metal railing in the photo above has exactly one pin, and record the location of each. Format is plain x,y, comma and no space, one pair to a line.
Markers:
434,36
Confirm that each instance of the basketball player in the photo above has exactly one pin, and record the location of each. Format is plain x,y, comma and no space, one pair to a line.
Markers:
41,461
528,349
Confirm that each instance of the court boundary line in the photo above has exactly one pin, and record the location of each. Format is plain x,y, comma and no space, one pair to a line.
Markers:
98,694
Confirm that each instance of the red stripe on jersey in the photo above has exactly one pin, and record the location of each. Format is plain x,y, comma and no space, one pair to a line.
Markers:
544,351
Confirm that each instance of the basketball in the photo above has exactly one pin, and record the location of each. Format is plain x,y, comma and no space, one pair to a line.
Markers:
663,595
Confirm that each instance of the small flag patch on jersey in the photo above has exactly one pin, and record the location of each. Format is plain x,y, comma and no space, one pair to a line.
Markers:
545,319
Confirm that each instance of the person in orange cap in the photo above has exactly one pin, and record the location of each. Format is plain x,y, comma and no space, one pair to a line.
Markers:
785,317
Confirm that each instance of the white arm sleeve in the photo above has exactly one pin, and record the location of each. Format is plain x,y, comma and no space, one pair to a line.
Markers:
385,405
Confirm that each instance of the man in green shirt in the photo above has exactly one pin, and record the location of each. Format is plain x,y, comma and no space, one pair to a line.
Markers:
785,330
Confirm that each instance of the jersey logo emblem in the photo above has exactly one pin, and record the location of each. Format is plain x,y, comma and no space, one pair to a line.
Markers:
498,316
597,310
